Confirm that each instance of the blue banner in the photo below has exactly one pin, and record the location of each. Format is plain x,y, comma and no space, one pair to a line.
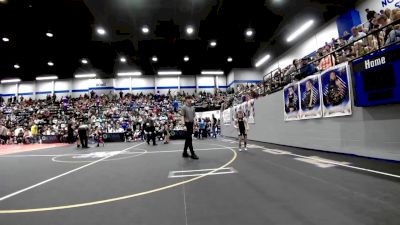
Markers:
291,102
335,87
310,105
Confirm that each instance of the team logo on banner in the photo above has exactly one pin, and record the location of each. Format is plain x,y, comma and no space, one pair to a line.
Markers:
310,106
335,86
291,102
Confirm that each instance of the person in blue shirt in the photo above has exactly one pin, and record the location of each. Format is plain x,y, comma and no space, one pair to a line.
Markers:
202,128
307,69
176,105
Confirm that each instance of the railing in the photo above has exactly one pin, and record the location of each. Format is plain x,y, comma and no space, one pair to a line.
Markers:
374,41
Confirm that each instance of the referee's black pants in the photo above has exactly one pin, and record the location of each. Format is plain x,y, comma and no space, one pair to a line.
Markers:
188,141
83,137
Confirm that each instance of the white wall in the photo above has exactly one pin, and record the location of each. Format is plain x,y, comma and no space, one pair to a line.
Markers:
312,44
188,84
9,89
27,89
80,87
370,131
165,83
143,85
230,78
123,84
43,88
221,82
62,88
206,83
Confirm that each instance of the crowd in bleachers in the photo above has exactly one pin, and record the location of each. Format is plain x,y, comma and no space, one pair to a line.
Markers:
382,29
26,120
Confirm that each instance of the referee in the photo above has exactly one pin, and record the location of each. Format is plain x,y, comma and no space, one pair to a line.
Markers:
188,115
83,132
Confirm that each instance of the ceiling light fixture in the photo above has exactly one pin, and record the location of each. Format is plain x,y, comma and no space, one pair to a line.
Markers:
6,81
127,74
300,31
48,34
84,61
262,60
5,39
16,66
122,59
249,32
47,78
213,43
145,30
101,31
169,73
186,58
85,75
229,59
189,30
50,63
217,72
155,59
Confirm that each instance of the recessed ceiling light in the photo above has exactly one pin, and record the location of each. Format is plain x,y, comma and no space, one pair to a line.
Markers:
48,34
122,59
229,59
186,58
84,61
189,30
5,39
249,32
213,43
101,31
155,59
145,30
16,66
3,1
50,63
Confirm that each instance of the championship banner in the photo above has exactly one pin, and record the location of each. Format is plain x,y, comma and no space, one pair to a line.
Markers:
226,116
291,102
335,86
310,103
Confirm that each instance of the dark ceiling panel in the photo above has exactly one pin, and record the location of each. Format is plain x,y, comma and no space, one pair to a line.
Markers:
73,23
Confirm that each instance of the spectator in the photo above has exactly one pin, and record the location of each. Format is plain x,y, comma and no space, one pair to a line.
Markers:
327,62
356,35
307,69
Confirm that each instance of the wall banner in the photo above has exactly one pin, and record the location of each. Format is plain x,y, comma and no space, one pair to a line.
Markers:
226,116
310,98
249,111
291,102
335,87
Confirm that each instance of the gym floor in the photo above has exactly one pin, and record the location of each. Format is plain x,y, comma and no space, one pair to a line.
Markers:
136,183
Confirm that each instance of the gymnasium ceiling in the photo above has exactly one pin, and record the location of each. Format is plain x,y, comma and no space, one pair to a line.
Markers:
73,24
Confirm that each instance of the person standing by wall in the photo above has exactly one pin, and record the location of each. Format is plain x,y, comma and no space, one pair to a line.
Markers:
83,131
188,116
